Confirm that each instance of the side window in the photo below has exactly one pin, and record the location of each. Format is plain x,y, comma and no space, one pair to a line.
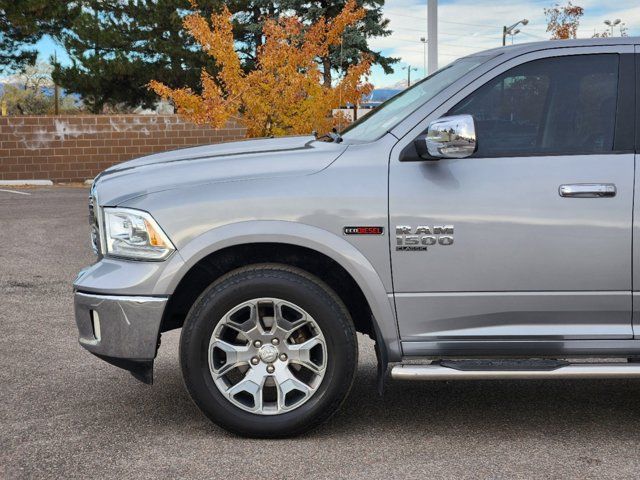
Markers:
559,105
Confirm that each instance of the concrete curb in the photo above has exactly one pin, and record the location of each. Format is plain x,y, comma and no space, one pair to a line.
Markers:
39,183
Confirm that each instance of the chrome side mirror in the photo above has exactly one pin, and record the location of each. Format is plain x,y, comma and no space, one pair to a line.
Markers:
448,137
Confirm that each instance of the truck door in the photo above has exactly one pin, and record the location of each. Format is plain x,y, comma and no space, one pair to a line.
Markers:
531,237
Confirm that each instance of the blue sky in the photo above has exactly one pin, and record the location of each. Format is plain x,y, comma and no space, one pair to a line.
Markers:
464,27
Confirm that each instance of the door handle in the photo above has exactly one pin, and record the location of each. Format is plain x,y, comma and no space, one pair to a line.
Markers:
587,190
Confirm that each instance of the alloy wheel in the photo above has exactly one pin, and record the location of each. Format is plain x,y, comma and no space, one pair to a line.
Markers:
267,356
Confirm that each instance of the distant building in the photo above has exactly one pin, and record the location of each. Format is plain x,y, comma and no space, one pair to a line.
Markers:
368,103
378,96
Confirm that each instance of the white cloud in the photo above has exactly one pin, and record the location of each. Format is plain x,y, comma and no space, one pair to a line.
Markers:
467,26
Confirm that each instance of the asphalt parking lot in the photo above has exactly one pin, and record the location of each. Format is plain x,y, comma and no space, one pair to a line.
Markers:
66,414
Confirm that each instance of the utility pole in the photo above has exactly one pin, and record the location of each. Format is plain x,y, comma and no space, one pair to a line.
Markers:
56,93
432,34
408,68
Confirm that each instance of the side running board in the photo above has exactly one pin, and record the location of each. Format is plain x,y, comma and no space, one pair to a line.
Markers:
513,370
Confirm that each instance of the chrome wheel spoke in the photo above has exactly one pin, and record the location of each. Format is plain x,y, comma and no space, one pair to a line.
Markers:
310,354
225,356
242,318
288,317
267,356
291,392
247,392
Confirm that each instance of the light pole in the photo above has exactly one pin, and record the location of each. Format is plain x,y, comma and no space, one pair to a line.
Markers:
611,24
509,30
513,33
424,44
408,68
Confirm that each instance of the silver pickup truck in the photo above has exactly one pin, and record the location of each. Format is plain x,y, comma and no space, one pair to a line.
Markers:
482,220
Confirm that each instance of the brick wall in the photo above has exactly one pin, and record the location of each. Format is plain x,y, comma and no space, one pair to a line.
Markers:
73,148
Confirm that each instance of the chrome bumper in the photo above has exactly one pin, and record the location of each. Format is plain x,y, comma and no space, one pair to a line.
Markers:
123,330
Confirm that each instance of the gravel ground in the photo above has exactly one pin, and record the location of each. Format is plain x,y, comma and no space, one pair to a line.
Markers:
66,414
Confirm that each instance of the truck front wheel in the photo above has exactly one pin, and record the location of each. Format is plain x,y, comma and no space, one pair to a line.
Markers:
268,351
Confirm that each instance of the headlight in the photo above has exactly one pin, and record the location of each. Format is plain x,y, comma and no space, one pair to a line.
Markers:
135,234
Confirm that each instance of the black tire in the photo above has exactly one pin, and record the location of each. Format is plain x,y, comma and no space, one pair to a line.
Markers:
293,285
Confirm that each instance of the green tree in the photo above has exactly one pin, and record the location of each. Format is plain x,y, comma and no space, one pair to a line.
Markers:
116,48
22,24
355,38
249,17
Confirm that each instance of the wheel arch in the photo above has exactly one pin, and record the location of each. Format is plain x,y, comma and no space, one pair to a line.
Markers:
321,253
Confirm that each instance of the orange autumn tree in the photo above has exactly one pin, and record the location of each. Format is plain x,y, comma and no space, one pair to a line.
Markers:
563,21
284,94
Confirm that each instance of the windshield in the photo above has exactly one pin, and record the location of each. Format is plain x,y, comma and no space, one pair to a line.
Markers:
375,124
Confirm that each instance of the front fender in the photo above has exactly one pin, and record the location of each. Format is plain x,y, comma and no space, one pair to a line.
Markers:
293,233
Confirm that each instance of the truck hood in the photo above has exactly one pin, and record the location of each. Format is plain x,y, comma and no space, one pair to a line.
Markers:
233,161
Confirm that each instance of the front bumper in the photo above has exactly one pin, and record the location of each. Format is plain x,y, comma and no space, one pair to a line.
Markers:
122,330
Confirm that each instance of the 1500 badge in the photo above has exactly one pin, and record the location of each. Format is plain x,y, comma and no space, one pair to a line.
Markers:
421,237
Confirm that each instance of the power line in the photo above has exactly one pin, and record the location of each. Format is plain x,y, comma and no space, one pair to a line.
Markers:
446,21
443,54
533,35
470,24
416,41
493,37
462,54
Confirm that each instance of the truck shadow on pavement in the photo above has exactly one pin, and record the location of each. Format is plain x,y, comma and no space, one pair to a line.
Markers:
495,408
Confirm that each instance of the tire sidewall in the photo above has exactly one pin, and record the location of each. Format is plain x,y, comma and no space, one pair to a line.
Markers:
286,284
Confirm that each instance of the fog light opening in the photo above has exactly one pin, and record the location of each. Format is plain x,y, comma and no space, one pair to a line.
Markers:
95,324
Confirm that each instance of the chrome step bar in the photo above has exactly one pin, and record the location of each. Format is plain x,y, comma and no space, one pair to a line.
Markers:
569,371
